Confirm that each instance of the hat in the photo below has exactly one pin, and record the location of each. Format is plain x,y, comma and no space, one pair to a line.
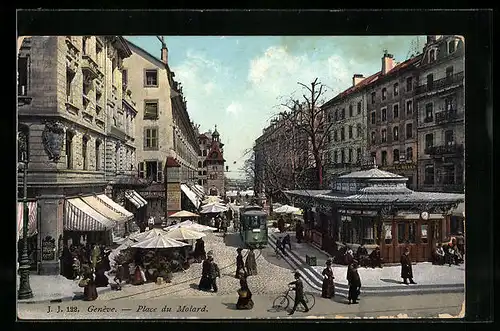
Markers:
328,261
239,249
296,274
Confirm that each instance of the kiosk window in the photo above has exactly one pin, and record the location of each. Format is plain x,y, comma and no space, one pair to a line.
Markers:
388,233
401,232
423,233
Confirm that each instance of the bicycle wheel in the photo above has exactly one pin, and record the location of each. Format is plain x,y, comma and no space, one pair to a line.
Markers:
310,300
281,302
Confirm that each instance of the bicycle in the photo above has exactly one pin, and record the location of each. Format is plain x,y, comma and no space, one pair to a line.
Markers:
277,252
282,302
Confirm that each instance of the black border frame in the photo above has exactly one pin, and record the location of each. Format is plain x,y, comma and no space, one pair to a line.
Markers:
475,25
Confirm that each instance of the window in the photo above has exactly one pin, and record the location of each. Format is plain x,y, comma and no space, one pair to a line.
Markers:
84,45
124,78
409,183
350,131
358,154
350,111
342,156
204,152
429,141
140,169
384,135
401,232
335,156
359,107
84,153
449,138
432,55
359,130
151,110
373,117
350,155
449,104
373,138
150,138
451,46
199,164
384,93
342,134
409,107
406,232
69,80
395,111
373,155
395,156
396,89
113,71
22,69
384,158
69,149
409,131
430,81
23,143
456,225
151,78
117,159
152,170
336,114
373,97
384,114
429,174
409,154
449,72
342,114
412,229
449,174
409,84
395,133
98,51
428,113
387,233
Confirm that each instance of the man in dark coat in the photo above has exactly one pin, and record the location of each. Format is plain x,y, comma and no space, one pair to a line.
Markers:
406,271
354,282
214,273
199,250
375,258
299,232
251,263
287,241
299,294
240,265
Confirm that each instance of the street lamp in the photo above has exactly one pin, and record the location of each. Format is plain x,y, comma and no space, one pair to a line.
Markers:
24,265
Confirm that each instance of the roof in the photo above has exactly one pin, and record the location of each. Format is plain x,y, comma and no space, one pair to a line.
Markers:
153,58
203,136
371,174
171,162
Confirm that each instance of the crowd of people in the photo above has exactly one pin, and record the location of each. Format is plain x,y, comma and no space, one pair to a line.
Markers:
449,253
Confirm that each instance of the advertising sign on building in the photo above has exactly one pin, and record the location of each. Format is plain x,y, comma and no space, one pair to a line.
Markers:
173,196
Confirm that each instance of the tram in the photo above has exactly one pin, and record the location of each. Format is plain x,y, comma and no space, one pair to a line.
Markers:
253,226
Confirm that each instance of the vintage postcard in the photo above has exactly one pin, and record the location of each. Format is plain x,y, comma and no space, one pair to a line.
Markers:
240,177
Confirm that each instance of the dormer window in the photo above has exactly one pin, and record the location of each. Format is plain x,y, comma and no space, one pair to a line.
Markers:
452,47
432,55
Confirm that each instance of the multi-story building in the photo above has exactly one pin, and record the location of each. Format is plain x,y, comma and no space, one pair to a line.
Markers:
167,147
392,118
67,98
347,111
211,163
441,108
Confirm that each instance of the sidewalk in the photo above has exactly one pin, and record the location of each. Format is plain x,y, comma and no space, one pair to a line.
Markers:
430,278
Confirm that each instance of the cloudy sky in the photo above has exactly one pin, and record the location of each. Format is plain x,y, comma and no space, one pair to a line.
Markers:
237,82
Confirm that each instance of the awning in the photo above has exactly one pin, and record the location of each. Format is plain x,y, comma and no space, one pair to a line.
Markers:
32,220
115,206
191,195
81,217
459,211
135,198
103,209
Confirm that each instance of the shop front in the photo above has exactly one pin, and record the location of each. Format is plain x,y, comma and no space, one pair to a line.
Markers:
375,208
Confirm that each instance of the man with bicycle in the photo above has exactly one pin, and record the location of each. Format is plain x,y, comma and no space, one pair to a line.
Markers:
299,294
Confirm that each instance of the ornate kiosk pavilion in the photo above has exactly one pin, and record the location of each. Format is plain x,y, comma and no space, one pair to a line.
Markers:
374,207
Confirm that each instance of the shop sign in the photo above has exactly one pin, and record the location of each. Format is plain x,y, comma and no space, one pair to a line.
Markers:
173,196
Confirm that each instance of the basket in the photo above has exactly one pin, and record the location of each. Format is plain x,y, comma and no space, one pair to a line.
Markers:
242,294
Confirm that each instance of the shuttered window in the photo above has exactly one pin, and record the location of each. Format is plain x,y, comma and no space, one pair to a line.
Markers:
150,138
151,110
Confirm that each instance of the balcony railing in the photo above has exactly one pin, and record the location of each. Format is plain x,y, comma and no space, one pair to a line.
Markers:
446,116
440,83
90,67
450,149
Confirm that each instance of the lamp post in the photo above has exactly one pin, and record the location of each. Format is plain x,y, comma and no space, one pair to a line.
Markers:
24,265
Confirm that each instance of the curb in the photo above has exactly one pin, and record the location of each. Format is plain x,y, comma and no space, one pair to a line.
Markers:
62,299
309,272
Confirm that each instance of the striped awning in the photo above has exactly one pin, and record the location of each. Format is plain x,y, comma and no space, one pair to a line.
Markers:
103,209
191,195
115,206
135,198
32,219
81,217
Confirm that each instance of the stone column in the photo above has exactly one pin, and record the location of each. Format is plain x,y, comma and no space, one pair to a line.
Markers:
51,230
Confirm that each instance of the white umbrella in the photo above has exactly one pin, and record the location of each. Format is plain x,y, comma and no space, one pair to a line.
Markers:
184,234
148,234
160,241
190,225
184,213
213,209
212,198
286,209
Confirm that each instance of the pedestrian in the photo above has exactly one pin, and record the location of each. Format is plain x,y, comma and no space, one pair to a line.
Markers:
251,263
287,241
406,271
119,277
101,280
240,265
244,294
89,287
139,277
76,267
205,283
354,282
214,273
199,250
328,288
299,232
95,255
299,294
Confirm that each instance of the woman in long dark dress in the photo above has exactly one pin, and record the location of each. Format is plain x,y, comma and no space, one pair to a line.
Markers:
90,290
240,265
199,250
205,283
244,294
328,288
101,280
250,263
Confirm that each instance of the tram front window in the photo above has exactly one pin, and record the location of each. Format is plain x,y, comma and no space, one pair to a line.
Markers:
254,222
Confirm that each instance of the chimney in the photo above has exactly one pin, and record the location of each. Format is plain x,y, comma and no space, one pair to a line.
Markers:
164,53
356,79
387,62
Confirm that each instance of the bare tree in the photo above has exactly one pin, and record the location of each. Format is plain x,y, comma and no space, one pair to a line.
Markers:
310,121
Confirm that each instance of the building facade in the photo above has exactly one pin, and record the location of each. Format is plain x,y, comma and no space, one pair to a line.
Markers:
64,84
347,111
392,118
213,164
440,97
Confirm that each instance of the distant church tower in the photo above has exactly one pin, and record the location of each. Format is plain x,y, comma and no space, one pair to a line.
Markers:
215,166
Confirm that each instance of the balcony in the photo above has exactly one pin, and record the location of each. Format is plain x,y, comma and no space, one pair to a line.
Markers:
445,116
90,67
441,83
451,149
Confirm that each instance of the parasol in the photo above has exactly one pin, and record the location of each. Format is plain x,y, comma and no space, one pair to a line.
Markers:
286,209
190,225
184,234
160,241
148,234
211,199
213,209
183,213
